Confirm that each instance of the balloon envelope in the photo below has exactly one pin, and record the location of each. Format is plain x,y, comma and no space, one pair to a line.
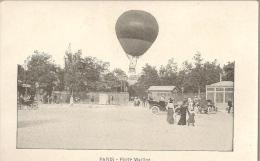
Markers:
136,31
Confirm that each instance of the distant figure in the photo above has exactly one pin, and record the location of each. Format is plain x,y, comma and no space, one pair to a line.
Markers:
71,101
48,99
77,99
143,101
191,119
55,97
230,105
170,111
190,104
183,111
196,105
112,99
136,101
211,106
92,99
60,100
162,99
177,111
132,99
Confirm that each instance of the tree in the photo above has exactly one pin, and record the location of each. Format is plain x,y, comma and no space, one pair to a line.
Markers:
84,74
21,74
119,73
197,74
42,70
229,71
60,84
112,82
122,77
194,78
73,77
149,77
168,74
184,77
211,71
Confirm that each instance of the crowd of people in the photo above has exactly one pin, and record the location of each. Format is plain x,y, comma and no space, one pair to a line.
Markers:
178,112
174,110
139,101
188,107
183,112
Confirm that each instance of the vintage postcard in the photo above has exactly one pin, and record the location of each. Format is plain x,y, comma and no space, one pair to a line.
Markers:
129,80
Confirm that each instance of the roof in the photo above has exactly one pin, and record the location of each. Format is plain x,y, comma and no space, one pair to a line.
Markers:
161,88
223,83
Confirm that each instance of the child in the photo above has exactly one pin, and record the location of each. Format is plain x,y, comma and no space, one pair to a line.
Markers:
191,119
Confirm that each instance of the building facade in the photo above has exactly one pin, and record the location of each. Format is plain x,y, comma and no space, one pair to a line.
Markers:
220,93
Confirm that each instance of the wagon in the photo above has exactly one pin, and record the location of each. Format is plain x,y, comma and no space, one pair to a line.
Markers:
29,102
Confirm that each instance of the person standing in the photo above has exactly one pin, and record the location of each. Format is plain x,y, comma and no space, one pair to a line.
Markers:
196,105
230,104
183,112
143,101
190,104
71,101
170,111
191,119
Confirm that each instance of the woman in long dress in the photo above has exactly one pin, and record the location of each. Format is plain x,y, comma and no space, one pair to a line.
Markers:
183,112
191,119
170,111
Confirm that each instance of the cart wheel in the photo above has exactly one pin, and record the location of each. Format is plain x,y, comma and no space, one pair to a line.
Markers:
155,110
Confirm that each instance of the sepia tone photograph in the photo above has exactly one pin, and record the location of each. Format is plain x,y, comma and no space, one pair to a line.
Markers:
138,76
83,101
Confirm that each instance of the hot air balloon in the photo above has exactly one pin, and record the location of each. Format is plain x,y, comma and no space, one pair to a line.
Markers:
136,31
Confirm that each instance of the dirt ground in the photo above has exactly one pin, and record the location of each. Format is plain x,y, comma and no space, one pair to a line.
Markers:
116,127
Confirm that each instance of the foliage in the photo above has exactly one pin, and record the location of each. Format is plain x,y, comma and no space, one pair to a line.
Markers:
90,74
149,77
229,71
83,74
168,74
191,77
41,70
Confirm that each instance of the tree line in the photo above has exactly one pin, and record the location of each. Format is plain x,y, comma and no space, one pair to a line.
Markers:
79,74
189,77
89,74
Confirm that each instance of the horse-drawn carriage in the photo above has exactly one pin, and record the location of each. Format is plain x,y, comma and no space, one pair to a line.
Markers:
26,99
30,104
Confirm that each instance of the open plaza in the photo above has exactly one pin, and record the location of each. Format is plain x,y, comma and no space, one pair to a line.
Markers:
86,126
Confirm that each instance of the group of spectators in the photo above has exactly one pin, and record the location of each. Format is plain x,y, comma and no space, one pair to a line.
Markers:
137,101
179,111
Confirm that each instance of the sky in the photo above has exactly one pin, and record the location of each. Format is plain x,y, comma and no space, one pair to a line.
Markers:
218,30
